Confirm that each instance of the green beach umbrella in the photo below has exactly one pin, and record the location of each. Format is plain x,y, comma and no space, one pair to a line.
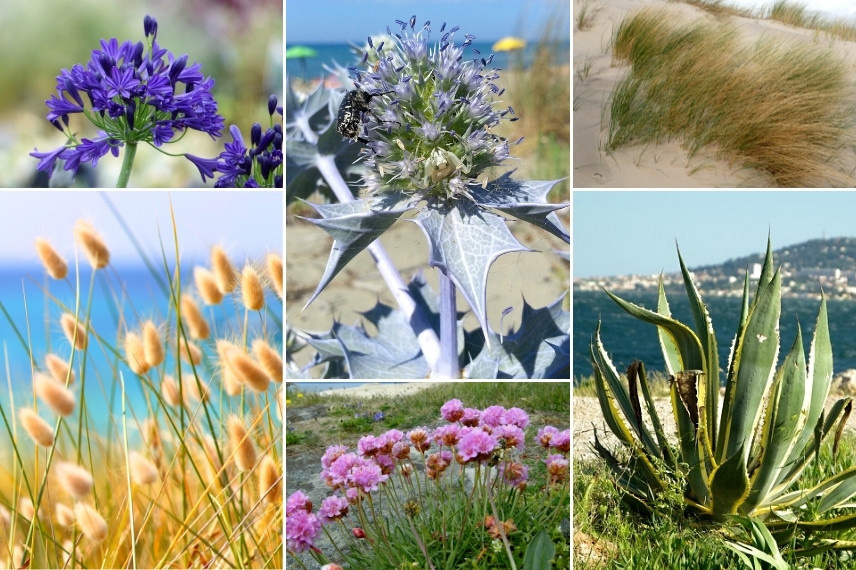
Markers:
301,53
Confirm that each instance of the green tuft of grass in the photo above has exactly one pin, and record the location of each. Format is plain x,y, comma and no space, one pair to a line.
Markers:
780,107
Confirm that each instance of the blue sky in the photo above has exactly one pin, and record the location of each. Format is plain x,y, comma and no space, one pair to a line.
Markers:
245,223
337,21
635,231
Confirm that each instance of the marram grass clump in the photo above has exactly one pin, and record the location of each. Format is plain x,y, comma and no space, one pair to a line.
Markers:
187,475
784,108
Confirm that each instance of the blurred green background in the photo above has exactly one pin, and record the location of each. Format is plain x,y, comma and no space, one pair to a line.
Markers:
238,43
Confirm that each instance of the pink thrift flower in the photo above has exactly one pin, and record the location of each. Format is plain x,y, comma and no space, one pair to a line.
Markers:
332,508
298,501
388,439
332,454
515,474
386,464
557,468
341,468
492,416
476,445
366,476
471,417
562,441
448,434
301,529
513,435
368,445
353,495
400,450
545,434
452,411
516,416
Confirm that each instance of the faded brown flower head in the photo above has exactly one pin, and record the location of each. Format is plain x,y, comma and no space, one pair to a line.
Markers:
242,445
76,480
224,271
74,330
247,371
93,246
135,353
273,263
252,291
269,480
143,471
59,369
54,264
269,358
55,395
37,428
206,284
192,317
152,345
92,525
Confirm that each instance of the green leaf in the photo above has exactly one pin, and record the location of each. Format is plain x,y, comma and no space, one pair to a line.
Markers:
729,485
667,344
539,553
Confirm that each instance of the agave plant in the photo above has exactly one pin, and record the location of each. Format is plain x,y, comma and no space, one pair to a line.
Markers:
744,456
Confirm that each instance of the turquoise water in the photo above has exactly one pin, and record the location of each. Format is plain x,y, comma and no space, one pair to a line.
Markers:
626,338
122,299
343,54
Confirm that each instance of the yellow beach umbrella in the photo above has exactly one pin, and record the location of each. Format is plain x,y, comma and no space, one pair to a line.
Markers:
509,43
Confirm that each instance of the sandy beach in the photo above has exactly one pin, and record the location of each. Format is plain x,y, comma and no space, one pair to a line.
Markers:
380,389
667,164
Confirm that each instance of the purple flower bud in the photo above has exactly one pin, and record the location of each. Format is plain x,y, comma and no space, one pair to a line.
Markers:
271,104
150,27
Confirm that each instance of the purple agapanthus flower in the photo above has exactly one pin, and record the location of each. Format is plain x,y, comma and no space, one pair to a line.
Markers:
256,166
137,93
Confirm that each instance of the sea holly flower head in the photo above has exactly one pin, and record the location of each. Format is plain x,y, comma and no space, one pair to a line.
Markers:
256,166
429,112
136,93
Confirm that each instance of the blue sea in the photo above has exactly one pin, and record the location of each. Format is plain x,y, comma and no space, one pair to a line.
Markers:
627,338
344,55
122,299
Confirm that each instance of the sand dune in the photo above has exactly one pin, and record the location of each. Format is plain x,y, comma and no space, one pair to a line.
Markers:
668,164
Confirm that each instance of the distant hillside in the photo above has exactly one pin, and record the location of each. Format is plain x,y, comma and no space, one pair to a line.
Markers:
832,253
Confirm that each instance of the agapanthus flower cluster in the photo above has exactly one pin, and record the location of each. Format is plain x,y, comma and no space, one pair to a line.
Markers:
135,93
240,166
430,114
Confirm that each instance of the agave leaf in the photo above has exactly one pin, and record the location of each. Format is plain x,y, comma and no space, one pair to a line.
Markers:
783,420
842,493
612,395
732,361
688,345
801,497
765,548
753,368
825,544
640,494
729,485
707,337
667,342
665,448
687,442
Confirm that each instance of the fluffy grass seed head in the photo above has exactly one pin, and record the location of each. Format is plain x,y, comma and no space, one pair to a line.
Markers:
169,391
74,330
92,525
5,520
197,391
243,449
26,508
224,271
252,291
143,471
248,371
228,376
59,369
152,345
206,284
54,264
64,515
135,353
55,395
37,428
93,246
190,352
269,358
273,263
269,481
76,480
191,315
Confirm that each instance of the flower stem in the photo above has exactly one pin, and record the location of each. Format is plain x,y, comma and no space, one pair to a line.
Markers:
127,164
448,366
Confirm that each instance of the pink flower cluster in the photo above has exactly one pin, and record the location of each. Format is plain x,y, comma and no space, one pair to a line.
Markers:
301,525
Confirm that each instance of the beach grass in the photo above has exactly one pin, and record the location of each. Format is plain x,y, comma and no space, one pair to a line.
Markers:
608,534
781,107
190,476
